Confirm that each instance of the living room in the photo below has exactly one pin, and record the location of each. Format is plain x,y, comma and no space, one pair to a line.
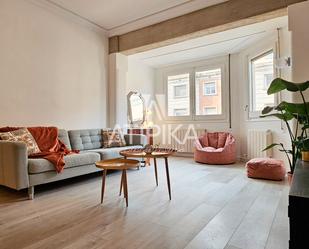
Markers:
147,127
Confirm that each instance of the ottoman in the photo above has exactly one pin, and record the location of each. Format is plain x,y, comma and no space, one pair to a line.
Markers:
266,168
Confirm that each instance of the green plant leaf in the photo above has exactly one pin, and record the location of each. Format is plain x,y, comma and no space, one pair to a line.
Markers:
268,109
277,85
287,151
271,146
284,116
306,126
296,108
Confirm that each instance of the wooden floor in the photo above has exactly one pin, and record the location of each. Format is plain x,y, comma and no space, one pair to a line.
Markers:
215,207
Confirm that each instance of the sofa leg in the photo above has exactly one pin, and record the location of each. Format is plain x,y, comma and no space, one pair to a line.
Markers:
31,192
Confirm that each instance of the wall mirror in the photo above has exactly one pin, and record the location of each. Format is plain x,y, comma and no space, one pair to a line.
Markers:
136,109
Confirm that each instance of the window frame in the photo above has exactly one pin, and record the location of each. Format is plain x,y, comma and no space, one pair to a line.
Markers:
211,64
178,97
173,73
178,110
211,94
212,107
252,114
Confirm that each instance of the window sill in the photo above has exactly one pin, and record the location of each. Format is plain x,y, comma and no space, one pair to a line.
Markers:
258,119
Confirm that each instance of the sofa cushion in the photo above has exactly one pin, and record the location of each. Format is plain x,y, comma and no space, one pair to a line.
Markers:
40,165
222,136
213,139
64,138
212,149
86,139
24,136
110,153
204,141
113,138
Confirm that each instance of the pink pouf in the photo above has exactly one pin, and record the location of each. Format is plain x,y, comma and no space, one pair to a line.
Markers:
266,168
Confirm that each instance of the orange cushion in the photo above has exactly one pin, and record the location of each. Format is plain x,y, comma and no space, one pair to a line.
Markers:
266,168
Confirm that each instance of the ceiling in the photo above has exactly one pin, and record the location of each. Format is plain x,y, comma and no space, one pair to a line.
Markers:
223,43
121,16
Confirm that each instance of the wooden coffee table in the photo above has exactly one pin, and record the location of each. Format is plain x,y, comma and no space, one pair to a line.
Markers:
117,164
164,154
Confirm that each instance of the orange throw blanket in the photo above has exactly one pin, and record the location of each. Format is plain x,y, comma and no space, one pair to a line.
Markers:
52,149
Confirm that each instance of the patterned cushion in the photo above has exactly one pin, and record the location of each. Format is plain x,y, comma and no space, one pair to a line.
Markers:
24,136
113,138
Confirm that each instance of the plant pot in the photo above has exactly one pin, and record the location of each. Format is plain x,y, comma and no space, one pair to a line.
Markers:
305,156
290,176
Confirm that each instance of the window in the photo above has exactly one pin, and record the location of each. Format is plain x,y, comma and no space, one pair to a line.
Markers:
178,94
262,73
210,110
180,112
197,93
180,91
208,92
210,89
267,80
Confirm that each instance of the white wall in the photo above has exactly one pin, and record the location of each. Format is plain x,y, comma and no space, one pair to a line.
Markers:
298,25
118,69
127,74
140,78
53,68
278,129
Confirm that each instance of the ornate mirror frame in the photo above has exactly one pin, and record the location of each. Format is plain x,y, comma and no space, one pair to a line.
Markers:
130,118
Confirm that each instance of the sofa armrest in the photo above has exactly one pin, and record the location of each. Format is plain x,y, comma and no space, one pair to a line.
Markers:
197,144
136,139
14,165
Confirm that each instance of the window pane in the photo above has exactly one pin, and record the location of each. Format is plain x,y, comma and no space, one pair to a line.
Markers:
208,92
180,91
210,88
178,95
210,110
262,69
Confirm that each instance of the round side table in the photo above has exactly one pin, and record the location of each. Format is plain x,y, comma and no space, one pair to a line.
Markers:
117,164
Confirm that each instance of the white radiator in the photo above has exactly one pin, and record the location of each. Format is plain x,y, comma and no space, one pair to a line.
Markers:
183,139
257,141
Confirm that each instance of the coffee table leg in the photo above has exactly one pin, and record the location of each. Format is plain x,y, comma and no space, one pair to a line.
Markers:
168,177
156,170
120,191
103,184
125,186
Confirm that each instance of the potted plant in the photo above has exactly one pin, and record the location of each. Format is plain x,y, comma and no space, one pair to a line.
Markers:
290,112
304,148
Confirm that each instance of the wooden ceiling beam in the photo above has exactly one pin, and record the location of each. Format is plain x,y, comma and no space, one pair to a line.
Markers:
216,18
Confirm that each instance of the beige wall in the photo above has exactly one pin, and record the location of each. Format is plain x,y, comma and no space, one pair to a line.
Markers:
53,68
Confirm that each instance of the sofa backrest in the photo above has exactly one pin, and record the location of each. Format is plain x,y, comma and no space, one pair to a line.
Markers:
214,139
64,138
86,139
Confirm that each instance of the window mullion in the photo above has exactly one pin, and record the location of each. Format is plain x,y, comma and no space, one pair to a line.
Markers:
192,94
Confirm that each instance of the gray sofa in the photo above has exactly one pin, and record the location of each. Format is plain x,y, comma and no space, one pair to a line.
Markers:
17,171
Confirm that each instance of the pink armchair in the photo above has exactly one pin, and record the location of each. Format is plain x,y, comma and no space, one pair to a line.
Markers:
215,148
